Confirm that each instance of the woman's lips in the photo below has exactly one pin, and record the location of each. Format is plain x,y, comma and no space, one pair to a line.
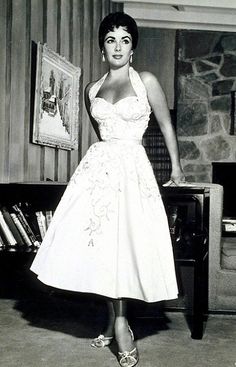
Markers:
117,57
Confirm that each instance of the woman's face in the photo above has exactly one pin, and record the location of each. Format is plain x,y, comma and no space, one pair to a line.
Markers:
118,47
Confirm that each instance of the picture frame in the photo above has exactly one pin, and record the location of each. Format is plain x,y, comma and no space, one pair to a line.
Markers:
56,101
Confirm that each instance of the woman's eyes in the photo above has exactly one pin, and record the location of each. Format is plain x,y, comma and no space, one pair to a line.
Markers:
111,40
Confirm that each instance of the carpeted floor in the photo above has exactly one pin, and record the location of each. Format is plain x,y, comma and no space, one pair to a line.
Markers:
55,331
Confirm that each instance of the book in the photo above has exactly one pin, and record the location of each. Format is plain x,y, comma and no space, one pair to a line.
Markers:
26,225
41,218
10,240
230,220
21,229
48,215
14,230
1,242
30,216
229,224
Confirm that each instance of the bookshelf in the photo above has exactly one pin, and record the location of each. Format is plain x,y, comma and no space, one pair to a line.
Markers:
31,198
156,149
16,279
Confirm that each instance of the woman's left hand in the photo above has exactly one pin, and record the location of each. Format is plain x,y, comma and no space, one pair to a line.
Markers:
177,177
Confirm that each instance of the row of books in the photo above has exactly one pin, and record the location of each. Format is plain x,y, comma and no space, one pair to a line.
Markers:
157,153
21,226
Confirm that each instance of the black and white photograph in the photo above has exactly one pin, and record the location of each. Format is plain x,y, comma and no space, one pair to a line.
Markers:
117,183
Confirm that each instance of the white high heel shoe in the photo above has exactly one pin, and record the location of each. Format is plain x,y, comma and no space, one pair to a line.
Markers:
128,359
131,358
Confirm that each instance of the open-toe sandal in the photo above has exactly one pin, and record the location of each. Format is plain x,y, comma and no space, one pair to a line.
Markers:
128,359
101,341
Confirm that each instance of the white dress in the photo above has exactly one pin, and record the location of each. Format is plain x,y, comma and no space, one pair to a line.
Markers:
109,234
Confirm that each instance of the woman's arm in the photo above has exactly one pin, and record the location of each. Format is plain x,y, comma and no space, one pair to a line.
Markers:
160,109
88,104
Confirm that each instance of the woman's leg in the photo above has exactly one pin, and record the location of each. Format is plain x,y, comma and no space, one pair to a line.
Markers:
118,326
106,337
109,330
121,326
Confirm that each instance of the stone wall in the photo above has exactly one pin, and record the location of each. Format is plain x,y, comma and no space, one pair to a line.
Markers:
206,75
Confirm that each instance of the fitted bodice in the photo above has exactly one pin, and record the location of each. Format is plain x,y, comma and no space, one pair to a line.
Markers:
127,119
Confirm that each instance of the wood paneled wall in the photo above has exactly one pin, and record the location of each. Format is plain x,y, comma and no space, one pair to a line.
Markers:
69,27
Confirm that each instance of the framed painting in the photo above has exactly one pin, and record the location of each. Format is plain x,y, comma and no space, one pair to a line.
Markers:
56,102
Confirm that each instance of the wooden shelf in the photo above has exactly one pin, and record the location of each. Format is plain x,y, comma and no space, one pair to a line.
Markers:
39,196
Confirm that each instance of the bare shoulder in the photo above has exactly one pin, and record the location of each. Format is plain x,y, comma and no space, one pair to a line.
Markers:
149,80
154,90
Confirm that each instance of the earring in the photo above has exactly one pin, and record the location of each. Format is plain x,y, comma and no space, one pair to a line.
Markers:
103,57
131,59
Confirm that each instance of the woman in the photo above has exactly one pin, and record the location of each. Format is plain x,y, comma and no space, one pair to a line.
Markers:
109,234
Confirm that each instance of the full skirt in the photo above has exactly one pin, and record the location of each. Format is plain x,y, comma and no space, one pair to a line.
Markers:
109,234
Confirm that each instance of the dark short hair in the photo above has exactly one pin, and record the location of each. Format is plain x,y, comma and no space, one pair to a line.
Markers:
115,20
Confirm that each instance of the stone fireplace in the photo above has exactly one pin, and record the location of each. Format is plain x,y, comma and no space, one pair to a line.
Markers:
206,72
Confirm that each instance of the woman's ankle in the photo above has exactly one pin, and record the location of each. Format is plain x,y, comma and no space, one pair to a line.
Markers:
123,335
108,331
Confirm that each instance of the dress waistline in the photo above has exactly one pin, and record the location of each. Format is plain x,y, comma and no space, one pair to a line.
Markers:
124,141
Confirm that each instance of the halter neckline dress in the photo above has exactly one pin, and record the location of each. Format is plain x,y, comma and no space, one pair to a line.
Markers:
109,234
